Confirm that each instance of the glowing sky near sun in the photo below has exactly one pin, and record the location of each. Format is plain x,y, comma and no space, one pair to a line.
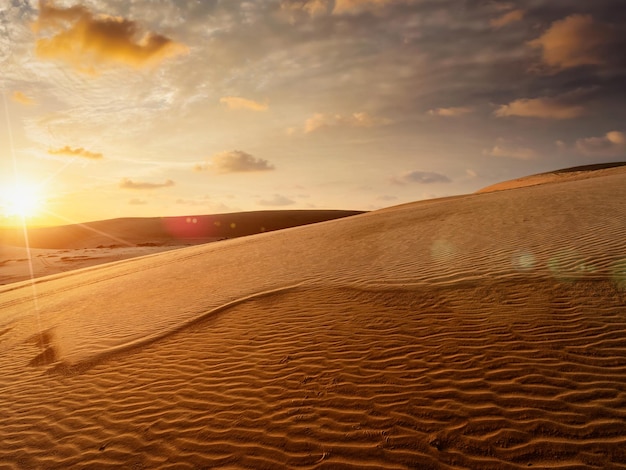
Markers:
175,107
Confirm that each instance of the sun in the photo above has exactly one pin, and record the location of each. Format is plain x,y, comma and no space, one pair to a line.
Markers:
20,200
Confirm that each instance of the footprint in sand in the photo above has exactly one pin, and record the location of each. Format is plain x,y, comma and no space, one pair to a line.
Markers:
48,354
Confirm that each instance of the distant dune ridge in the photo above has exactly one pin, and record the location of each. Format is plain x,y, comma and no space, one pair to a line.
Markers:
481,331
193,229
58,249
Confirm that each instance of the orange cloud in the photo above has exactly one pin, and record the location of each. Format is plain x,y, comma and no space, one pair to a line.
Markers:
310,7
86,41
503,151
573,41
610,145
362,119
450,112
21,98
77,152
420,177
130,184
316,8
507,18
358,6
235,102
235,161
546,108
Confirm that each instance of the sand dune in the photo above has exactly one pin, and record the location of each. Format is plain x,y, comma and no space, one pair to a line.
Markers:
193,229
54,250
482,331
558,176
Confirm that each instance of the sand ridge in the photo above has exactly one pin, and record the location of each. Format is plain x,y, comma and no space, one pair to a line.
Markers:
486,331
51,250
558,176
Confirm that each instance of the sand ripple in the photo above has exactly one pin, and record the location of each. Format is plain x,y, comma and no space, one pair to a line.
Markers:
486,331
344,378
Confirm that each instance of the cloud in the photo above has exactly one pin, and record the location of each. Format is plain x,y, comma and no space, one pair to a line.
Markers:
505,151
358,6
319,121
316,8
277,200
612,144
129,184
313,8
450,112
86,41
76,152
137,202
507,18
546,108
235,161
574,41
21,98
421,177
235,102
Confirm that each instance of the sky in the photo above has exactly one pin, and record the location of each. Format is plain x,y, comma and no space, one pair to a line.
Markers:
171,107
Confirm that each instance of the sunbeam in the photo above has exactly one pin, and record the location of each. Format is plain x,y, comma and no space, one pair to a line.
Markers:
21,209
91,229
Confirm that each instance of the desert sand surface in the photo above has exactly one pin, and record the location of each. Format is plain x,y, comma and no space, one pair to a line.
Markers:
558,176
53,250
485,331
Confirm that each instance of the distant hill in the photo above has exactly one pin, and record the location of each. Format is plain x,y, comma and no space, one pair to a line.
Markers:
194,229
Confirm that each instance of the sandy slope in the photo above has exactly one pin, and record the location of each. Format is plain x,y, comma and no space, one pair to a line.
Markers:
193,229
485,331
53,250
559,176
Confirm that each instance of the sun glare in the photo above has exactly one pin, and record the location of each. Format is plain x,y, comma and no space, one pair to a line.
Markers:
20,200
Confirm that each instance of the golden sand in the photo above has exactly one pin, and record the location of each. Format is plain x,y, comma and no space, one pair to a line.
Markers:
484,331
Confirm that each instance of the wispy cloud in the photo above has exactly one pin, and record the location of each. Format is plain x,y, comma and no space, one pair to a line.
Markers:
450,112
76,152
573,41
507,18
510,151
21,98
361,119
235,161
87,41
277,200
236,102
359,6
612,144
130,184
420,177
137,202
313,8
546,108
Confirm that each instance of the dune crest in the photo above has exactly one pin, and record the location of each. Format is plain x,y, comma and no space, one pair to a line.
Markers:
53,250
483,331
566,174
